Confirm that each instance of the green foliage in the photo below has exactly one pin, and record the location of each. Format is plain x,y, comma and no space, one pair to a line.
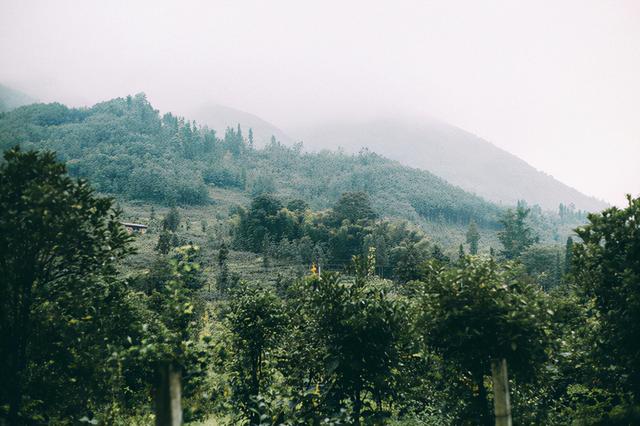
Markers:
607,267
473,237
543,264
125,147
59,247
336,236
480,312
356,329
171,220
353,206
255,322
517,235
568,256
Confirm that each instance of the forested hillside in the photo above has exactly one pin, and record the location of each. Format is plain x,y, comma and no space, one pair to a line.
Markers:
127,148
457,156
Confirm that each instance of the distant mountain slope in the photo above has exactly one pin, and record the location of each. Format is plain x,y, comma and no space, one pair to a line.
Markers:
219,117
455,155
11,98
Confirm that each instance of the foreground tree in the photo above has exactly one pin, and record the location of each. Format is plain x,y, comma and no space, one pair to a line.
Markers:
482,318
607,267
256,321
360,326
55,235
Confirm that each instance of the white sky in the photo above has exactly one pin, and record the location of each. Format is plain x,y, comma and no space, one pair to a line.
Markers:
554,82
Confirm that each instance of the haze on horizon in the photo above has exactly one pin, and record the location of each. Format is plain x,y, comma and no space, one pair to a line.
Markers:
554,83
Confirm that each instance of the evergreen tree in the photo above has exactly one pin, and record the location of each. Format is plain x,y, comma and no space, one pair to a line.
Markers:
171,220
223,268
165,242
438,255
250,138
473,237
568,256
516,235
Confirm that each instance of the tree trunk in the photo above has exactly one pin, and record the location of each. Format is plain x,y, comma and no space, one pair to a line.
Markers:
501,402
168,396
357,406
482,402
21,328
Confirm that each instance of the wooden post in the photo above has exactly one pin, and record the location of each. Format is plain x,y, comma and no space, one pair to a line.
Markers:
501,402
168,396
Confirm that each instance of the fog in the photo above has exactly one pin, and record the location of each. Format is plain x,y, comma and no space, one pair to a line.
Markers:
555,83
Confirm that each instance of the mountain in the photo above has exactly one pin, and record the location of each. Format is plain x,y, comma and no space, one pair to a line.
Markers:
125,148
455,155
219,117
11,98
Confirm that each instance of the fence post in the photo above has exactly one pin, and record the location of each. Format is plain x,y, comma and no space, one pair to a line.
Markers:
168,396
501,402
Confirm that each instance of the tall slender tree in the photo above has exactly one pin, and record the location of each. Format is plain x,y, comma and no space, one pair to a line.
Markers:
473,237
516,234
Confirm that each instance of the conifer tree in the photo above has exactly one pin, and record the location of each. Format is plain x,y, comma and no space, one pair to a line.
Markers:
473,236
568,255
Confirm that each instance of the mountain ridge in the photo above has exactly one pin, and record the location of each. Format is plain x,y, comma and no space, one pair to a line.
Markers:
11,98
456,155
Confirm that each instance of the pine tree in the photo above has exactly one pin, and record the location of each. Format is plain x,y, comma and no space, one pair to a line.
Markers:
568,256
517,235
250,138
223,273
165,242
473,236
171,220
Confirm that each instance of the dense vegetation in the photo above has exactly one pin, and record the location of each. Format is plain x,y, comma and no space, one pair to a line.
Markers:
86,337
124,147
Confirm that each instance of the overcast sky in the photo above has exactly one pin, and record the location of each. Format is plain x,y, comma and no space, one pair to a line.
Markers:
554,82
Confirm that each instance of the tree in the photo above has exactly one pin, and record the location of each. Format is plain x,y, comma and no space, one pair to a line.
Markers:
480,313
54,234
516,235
438,255
250,138
256,322
223,269
166,241
171,220
171,348
353,206
568,256
359,326
606,265
543,264
473,237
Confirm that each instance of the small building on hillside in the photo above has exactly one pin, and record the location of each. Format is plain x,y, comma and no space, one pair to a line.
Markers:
135,228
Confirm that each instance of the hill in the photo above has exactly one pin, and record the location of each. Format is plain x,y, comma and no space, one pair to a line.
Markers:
124,147
457,156
11,98
220,117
